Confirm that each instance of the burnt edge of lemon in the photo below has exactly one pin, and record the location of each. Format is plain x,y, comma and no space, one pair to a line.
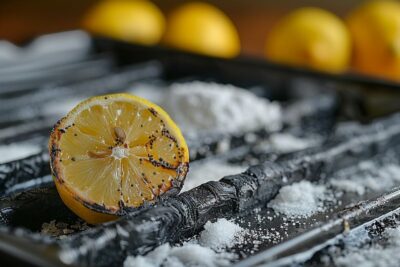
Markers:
176,184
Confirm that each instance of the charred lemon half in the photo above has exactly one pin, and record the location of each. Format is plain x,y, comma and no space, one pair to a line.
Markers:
115,153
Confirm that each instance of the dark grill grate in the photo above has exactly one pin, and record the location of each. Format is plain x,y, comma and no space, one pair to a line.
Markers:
315,104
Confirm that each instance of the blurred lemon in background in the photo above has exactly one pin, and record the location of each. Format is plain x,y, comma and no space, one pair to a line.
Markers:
137,21
310,37
375,29
202,28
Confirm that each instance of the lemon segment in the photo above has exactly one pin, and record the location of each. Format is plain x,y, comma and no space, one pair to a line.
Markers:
114,153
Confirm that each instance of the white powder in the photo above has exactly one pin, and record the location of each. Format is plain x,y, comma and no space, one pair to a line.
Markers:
202,172
189,254
60,108
393,236
285,143
151,91
375,255
200,107
371,178
372,257
17,151
300,199
192,253
152,259
349,186
197,255
220,234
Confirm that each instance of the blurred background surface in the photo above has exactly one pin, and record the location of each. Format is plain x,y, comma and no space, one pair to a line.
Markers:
21,20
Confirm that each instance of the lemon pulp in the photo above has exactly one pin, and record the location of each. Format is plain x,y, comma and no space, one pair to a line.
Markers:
114,153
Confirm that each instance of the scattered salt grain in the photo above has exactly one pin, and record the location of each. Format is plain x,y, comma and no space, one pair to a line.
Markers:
189,254
300,199
376,255
152,259
60,108
150,91
202,172
349,186
186,255
220,234
370,178
200,107
283,142
197,255
208,251
17,151
393,236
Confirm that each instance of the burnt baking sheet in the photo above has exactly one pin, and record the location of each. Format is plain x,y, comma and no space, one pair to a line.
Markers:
328,108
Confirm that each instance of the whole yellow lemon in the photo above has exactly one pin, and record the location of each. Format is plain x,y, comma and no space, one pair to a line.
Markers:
137,21
375,29
202,28
310,37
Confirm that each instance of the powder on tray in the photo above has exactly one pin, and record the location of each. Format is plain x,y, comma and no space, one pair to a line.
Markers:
370,177
300,199
188,254
284,142
17,151
208,251
211,107
376,255
220,234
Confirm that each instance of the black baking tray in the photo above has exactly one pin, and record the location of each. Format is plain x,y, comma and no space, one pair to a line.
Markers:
351,97
250,71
